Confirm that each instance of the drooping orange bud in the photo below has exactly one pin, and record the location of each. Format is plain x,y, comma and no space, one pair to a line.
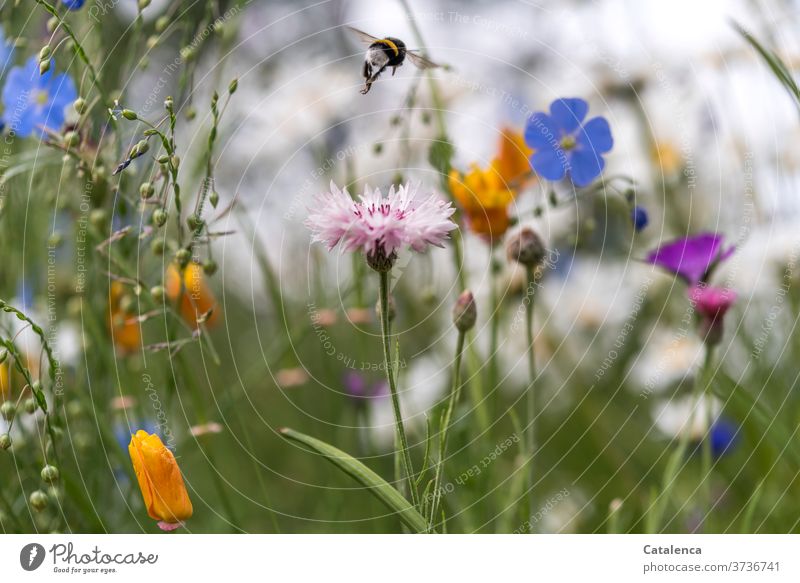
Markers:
197,299
160,480
5,379
124,326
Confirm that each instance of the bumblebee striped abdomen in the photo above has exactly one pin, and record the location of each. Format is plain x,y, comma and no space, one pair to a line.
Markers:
394,48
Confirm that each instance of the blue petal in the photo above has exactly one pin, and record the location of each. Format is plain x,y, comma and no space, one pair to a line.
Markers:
596,135
540,132
639,218
549,164
586,166
567,114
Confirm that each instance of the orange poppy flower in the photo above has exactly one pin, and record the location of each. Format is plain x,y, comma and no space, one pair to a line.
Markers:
196,297
485,194
160,480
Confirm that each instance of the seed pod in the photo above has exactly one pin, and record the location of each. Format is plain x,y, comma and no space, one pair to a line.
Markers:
79,105
50,474
30,406
183,256
210,267
146,190
5,441
72,139
38,500
157,246
526,247
159,217
8,409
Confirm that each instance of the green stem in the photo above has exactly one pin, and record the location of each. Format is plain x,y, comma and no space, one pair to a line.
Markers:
494,324
674,463
530,435
398,416
446,422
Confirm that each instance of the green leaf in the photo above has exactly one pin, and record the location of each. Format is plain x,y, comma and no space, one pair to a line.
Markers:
775,63
751,407
441,155
379,487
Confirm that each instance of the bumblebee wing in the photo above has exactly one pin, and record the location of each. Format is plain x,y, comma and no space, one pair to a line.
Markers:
363,36
419,61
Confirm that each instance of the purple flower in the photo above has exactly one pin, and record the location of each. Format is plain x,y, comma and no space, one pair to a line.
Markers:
380,226
639,218
564,144
357,388
691,258
33,101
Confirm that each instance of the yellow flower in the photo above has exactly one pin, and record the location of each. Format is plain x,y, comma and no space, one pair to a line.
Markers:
160,480
197,298
667,158
485,194
123,324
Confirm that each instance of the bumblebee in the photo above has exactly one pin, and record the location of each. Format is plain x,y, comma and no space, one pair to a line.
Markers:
383,53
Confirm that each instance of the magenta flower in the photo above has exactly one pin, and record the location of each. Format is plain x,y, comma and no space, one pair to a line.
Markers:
711,303
692,258
380,226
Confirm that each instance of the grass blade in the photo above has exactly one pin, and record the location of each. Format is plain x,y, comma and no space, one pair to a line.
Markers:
379,487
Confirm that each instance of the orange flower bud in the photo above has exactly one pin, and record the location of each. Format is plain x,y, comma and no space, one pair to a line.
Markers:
5,387
124,326
197,298
160,480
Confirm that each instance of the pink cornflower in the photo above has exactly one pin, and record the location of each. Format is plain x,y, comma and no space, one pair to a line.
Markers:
711,303
380,226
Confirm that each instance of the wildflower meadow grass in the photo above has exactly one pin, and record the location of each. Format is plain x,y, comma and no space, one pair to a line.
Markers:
541,278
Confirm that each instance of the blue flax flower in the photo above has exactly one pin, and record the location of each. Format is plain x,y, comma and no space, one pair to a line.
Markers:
564,144
73,4
33,101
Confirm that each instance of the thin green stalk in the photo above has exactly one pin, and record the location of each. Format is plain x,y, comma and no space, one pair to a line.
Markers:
398,416
494,324
530,435
445,429
674,463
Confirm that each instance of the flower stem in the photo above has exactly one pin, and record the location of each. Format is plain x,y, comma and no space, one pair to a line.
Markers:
398,416
494,324
446,421
674,463
530,436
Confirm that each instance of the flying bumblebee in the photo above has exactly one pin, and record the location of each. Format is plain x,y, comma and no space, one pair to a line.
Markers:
386,52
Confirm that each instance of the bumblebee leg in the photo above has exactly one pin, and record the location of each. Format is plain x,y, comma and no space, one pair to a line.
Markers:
394,70
371,80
